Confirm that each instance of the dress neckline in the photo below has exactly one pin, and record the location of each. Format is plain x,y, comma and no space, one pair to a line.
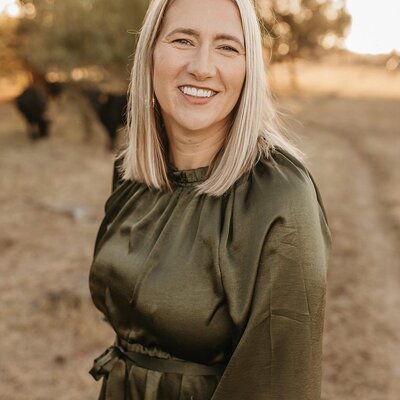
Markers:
187,176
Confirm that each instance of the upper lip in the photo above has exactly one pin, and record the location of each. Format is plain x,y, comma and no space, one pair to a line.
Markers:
199,87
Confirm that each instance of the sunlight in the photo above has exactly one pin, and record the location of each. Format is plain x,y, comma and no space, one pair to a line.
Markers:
375,28
10,8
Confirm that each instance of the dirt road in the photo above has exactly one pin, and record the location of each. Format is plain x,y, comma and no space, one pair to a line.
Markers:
51,199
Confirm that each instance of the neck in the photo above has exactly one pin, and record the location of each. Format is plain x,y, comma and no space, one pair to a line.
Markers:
194,149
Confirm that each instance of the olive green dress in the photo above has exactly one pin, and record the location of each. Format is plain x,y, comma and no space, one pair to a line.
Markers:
213,298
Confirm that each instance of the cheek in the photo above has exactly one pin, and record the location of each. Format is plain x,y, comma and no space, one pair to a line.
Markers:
165,69
236,74
160,61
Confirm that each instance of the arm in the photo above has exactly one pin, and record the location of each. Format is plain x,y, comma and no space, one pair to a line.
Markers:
294,262
278,356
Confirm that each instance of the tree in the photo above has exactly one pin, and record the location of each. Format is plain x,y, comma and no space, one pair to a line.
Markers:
295,28
66,35
300,28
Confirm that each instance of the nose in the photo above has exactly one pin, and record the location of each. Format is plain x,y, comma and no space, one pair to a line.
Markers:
202,66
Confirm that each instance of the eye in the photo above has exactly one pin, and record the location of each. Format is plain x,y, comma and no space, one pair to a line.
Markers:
183,42
229,48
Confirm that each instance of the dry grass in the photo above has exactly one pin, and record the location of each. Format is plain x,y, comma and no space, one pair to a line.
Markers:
52,199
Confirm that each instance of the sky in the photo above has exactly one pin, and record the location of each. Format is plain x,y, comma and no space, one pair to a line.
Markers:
375,27
9,7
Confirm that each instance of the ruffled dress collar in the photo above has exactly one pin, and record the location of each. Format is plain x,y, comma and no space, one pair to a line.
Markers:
187,176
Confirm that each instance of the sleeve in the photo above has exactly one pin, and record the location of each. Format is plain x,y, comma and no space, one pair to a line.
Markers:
279,353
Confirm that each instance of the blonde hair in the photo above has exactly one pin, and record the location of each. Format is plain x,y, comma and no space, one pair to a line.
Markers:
254,132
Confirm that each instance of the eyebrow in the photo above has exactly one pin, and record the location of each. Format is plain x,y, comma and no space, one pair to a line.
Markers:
219,36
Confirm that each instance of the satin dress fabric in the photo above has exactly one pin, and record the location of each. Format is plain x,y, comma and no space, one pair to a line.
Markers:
236,281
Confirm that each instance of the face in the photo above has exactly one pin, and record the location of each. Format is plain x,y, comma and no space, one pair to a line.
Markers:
199,64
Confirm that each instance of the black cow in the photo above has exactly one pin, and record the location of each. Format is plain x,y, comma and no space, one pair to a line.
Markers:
32,103
110,109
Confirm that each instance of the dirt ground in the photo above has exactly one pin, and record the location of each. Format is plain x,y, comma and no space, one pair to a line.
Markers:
52,197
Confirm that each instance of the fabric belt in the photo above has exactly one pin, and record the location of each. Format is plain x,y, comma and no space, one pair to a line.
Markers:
103,364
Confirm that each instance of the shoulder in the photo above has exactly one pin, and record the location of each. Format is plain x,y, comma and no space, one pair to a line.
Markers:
297,196
283,178
280,188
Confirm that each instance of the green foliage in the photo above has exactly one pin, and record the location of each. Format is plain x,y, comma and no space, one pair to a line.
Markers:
70,34
294,28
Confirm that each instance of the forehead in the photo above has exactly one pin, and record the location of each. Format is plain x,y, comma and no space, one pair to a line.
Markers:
221,16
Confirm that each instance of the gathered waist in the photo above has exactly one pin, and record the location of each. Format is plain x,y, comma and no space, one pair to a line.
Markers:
103,364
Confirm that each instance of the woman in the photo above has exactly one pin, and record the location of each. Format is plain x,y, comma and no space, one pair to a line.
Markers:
210,262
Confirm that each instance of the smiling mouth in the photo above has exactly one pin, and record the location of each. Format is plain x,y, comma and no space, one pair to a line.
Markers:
195,92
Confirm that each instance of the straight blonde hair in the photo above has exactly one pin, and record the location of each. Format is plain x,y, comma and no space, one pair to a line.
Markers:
255,130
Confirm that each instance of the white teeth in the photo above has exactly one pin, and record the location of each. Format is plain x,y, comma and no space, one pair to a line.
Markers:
192,91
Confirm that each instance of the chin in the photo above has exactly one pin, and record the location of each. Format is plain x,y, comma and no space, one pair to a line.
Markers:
196,126
190,122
